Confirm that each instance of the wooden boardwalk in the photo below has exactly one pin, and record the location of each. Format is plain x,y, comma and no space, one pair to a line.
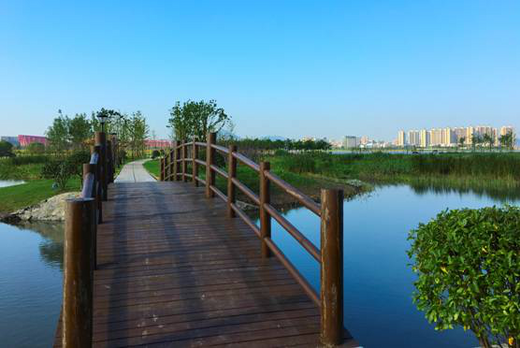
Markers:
174,271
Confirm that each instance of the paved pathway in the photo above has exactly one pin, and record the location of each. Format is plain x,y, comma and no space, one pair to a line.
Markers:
134,172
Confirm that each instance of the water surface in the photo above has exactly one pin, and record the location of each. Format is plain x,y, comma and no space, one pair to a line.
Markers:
5,183
378,281
30,283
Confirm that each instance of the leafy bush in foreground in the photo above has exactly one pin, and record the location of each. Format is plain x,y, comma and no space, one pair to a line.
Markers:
468,267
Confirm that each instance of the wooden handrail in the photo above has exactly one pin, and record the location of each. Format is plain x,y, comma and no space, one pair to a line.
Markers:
330,257
291,190
220,148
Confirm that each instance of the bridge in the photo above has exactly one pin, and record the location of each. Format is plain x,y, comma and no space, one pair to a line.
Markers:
170,264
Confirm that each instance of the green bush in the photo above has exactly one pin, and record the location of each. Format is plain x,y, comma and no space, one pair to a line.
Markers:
23,160
36,148
468,267
155,154
59,170
6,149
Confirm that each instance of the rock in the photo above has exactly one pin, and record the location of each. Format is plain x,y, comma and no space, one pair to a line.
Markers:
52,209
356,183
245,206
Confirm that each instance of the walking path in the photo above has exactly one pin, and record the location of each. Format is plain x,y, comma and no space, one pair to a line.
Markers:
134,172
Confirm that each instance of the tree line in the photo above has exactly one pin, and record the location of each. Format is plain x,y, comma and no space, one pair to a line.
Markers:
76,133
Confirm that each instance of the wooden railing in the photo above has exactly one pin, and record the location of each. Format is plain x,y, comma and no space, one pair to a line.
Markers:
81,218
174,167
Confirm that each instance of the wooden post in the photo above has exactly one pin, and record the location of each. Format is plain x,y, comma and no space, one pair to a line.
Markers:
110,163
210,160
184,155
92,169
172,163
166,167
162,169
232,173
99,188
194,165
265,198
78,273
175,158
331,267
101,139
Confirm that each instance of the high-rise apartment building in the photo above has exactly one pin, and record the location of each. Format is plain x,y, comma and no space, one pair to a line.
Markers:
401,138
424,138
413,138
351,141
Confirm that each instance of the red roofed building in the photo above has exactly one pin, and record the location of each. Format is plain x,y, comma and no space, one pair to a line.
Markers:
28,139
157,144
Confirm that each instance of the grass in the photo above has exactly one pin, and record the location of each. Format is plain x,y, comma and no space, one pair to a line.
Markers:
20,196
308,184
458,168
153,167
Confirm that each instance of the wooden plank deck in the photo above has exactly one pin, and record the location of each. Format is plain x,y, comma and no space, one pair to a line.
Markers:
174,271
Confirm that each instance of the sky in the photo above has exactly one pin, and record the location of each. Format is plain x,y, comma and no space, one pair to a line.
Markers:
278,67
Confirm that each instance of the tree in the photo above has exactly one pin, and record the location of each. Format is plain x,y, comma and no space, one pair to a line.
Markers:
462,140
468,269
507,140
36,148
80,130
488,139
476,139
6,149
138,133
196,119
58,133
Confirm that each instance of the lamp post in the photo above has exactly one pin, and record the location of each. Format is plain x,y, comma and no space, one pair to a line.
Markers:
103,119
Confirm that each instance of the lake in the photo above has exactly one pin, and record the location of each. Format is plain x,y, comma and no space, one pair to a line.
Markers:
378,283
5,183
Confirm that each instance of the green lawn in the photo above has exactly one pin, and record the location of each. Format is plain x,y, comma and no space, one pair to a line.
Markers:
20,196
153,167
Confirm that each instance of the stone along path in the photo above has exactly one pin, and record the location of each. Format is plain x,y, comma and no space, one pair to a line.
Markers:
134,172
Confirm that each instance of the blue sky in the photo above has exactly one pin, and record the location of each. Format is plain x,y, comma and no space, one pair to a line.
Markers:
290,68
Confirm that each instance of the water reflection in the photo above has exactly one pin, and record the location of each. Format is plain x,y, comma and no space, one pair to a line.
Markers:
51,246
500,193
31,264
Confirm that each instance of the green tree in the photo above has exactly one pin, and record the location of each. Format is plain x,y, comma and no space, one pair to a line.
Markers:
36,148
6,149
58,133
468,268
488,139
196,119
476,140
507,140
80,131
138,131
462,141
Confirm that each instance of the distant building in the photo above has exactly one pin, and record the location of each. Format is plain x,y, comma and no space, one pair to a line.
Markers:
413,138
25,140
424,138
13,140
351,141
364,140
401,138
157,144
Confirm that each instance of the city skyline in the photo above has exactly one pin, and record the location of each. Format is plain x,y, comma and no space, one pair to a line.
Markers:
451,136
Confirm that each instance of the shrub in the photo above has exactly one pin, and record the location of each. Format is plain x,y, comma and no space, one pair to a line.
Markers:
59,170
468,267
36,148
22,160
155,154
6,149
76,161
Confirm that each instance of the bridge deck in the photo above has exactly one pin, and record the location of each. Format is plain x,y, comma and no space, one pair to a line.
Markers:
174,271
